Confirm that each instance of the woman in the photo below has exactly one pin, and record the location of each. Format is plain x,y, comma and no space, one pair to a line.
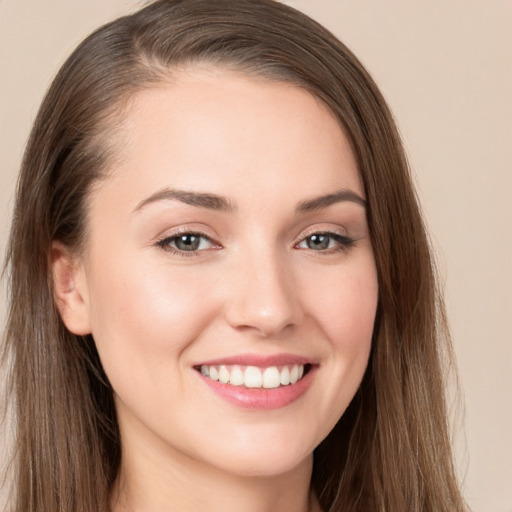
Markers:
221,288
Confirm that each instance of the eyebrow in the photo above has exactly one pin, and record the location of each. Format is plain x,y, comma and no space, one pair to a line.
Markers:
318,203
221,203
199,199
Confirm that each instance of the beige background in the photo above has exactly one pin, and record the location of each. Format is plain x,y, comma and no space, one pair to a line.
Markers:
445,67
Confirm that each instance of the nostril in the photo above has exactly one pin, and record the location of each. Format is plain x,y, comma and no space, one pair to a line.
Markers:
263,300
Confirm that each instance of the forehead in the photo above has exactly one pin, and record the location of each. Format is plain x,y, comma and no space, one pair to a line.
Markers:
228,133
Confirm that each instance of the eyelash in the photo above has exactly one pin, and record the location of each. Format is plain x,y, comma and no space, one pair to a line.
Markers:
344,242
165,242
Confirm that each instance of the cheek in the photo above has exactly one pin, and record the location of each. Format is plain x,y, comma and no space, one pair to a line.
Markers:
346,307
141,317
346,317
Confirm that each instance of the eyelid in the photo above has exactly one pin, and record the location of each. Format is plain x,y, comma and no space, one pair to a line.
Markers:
194,229
321,229
162,240
339,234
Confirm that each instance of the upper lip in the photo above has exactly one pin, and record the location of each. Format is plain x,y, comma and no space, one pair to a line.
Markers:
259,360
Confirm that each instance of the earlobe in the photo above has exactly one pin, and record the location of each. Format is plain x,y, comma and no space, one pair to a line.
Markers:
70,289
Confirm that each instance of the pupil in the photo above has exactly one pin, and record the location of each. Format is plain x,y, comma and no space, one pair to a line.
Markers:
318,242
187,242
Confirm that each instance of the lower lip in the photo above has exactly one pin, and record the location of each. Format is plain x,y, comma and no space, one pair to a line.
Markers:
261,398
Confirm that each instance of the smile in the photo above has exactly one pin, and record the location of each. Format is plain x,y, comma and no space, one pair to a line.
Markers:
254,376
259,382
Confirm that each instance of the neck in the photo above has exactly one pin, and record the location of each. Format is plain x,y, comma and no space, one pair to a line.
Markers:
160,480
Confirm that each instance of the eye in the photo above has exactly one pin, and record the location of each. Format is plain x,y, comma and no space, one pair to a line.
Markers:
327,242
186,242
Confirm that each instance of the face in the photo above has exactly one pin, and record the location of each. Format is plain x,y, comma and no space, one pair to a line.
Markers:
229,280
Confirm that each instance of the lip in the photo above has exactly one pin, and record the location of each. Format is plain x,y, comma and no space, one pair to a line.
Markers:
262,399
259,360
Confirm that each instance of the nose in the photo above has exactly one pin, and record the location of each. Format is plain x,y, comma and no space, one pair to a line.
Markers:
263,296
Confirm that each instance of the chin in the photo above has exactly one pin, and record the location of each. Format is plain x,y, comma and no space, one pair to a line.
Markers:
268,453
258,466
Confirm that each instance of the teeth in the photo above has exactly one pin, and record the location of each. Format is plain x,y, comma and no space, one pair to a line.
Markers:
223,375
271,377
237,377
285,376
254,377
294,374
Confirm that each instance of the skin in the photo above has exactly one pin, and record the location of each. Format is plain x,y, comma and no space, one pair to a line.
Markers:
255,285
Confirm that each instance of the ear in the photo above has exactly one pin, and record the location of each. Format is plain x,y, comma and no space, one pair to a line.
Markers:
70,289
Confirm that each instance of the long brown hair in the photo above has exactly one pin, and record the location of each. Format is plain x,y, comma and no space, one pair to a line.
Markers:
390,451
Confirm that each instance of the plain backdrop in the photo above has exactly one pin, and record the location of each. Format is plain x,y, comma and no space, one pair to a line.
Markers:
446,69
